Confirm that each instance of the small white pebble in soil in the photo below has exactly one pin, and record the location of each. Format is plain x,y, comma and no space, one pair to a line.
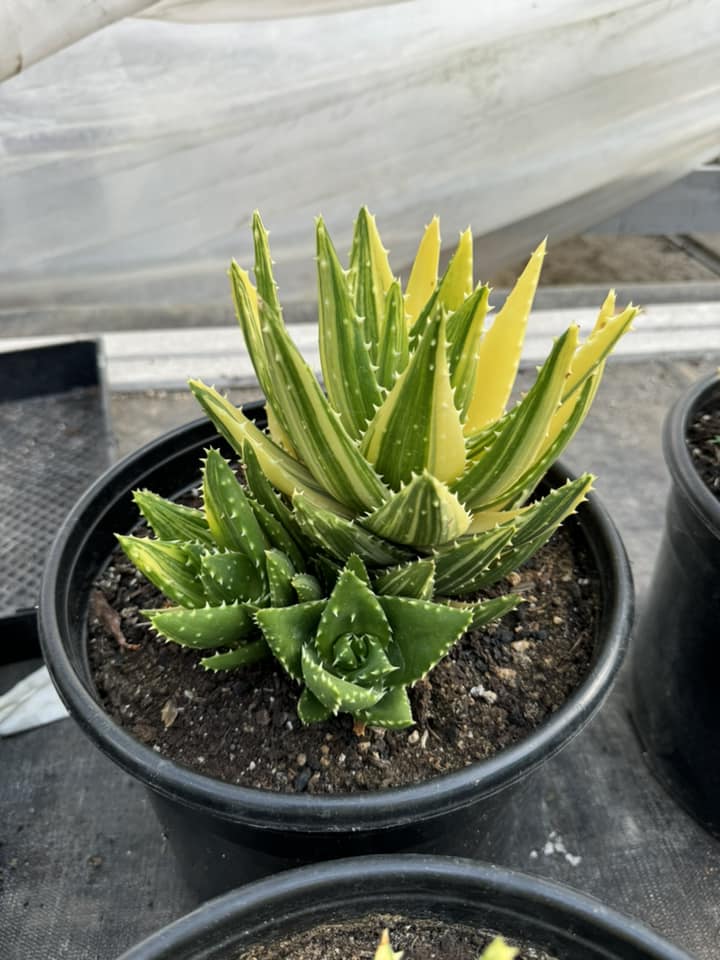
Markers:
251,765
534,854
301,759
414,737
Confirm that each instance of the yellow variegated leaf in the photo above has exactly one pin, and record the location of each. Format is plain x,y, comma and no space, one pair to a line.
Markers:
424,273
489,519
501,347
497,949
369,277
457,283
417,427
283,472
277,432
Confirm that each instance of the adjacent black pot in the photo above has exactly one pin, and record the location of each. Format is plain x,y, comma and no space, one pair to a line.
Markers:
676,659
546,915
224,834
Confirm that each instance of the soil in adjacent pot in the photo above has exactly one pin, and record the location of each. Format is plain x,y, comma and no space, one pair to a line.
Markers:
495,687
704,443
357,940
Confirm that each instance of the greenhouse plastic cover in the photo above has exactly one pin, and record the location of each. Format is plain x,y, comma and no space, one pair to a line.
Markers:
132,158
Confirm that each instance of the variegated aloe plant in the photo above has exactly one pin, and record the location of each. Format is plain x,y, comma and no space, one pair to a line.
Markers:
412,458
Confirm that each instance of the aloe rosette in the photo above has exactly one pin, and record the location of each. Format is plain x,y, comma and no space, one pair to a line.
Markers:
358,650
220,564
413,455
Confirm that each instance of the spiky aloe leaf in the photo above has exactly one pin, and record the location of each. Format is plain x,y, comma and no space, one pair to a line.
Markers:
306,587
415,579
346,346
535,526
505,459
167,565
424,273
262,491
393,710
280,573
393,349
243,656
340,537
283,471
288,629
310,710
501,348
459,566
266,286
455,285
222,626
422,632
277,535
417,427
228,512
424,511
518,493
485,611
230,576
369,279
333,691
464,332
172,521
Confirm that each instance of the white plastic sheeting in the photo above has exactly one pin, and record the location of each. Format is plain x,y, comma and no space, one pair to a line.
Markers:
141,150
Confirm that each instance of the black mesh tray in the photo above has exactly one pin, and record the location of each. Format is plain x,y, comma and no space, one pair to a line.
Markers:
55,440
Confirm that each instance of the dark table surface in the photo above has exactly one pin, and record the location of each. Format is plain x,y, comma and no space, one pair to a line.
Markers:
86,871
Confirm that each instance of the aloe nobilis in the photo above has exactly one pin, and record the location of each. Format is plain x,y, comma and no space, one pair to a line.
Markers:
374,509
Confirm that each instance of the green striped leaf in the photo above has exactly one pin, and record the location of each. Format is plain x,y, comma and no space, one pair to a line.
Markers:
266,286
369,278
307,587
265,495
423,512
346,348
516,445
282,470
417,428
172,521
288,629
206,627
415,579
394,348
243,656
318,435
460,567
277,535
422,633
464,332
229,514
167,565
485,611
456,284
340,537
521,490
535,526
230,576
351,609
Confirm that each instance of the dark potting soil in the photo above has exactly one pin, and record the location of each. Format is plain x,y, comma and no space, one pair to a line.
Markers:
704,443
495,687
358,939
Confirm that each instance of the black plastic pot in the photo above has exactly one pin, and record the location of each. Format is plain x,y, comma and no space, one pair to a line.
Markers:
536,912
224,834
676,658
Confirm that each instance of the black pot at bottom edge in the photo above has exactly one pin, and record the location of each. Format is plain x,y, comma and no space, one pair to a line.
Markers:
676,649
548,916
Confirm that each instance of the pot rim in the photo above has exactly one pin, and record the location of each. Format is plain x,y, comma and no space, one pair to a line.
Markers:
677,455
298,892
320,813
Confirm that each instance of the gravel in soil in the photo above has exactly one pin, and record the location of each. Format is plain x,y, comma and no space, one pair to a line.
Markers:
704,443
495,687
357,940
